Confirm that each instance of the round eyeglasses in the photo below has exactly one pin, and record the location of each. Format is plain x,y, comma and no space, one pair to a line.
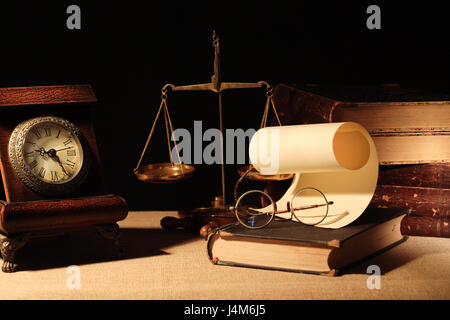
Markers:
255,209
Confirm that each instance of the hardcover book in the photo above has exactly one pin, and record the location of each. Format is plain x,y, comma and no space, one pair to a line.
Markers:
424,188
408,126
292,246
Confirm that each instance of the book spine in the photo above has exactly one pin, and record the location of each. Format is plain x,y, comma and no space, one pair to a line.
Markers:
422,201
425,227
432,175
430,202
210,238
296,106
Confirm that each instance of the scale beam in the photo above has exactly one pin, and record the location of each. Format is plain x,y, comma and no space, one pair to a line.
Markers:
223,86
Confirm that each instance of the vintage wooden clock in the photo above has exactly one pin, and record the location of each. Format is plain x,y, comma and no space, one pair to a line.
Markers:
51,169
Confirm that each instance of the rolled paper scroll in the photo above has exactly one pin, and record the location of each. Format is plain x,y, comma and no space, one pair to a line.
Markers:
339,159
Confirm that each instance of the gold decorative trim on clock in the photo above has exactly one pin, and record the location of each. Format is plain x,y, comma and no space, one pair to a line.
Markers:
49,155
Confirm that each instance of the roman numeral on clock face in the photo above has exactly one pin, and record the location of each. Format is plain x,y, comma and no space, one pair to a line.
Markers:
55,176
41,172
67,142
33,164
71,153
37,134
48,132
70,163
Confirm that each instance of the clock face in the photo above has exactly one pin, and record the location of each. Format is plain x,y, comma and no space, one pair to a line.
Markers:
48,155
52,153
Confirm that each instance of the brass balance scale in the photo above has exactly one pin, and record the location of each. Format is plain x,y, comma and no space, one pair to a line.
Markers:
219,212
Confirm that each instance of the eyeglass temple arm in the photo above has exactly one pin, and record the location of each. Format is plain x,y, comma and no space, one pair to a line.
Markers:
312,206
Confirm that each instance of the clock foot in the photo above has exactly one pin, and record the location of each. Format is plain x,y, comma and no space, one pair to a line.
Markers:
111,232
8,247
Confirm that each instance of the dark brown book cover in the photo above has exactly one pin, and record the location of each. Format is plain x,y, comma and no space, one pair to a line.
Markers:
425,188
426,226
431,202
421,200
426,175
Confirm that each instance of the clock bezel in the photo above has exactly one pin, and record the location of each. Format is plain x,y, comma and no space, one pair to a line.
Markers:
23,171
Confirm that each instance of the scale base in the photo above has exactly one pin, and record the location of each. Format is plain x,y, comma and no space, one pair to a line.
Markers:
203,219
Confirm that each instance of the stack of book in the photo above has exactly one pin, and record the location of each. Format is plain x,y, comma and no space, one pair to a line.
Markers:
411,131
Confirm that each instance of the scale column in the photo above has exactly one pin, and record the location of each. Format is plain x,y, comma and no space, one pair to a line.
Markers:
222,165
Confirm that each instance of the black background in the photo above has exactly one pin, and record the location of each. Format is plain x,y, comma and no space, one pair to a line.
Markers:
128,50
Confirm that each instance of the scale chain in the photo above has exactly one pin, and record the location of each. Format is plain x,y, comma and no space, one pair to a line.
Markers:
151,133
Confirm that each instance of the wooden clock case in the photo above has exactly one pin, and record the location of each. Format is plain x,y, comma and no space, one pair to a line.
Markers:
25,214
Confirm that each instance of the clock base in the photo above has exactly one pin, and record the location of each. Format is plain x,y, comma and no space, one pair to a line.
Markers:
10,244
8,247
21,221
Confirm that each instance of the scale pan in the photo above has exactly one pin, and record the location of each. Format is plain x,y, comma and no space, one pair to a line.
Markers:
256,176
164,172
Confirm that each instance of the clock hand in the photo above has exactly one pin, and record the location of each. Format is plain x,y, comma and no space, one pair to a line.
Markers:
52,154
42,151
56,158
63,149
